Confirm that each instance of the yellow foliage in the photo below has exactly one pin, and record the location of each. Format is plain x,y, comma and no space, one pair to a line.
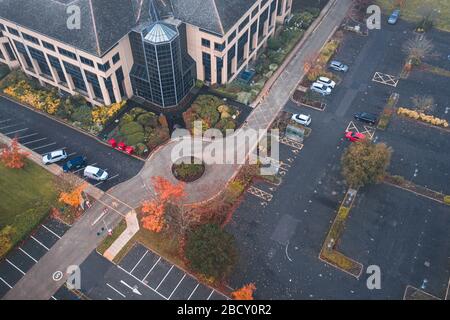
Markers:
422,117
73,198
101,114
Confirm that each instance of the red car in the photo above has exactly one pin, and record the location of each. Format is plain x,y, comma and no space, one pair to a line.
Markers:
353,136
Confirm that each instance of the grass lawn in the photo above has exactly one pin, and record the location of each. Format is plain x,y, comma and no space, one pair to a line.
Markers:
109,240
26,196
410,8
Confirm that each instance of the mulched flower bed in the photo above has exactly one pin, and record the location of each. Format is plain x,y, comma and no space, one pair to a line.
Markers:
300,98
187,171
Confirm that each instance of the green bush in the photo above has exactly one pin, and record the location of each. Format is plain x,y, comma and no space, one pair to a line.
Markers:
447,200
211,251
148,119
131,128
135,138
83,115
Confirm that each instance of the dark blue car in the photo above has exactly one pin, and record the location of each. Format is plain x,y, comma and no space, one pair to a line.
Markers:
75,164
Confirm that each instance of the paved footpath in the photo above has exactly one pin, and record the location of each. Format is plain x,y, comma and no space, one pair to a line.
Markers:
82,238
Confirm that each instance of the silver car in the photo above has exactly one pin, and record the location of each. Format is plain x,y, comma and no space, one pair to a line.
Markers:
54,156
320,88
338,66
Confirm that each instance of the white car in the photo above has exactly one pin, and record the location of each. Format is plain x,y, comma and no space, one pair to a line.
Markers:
321,88
302,119
95,173
54,156
328,82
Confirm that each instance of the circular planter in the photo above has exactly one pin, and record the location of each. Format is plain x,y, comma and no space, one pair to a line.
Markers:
186,170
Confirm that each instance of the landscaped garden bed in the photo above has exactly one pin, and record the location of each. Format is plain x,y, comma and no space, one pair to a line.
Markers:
109,240
188,169
309,99
141,129
388,111
278,48
212,112
74,110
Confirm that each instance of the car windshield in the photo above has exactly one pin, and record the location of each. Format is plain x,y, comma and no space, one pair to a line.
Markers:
325,80
100,173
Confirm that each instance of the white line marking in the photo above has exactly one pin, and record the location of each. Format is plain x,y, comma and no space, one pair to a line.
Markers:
146,285
33,141
99,217
28,135
5,282
108,299
26,253
164,278
151,269
139,261
51,231
39,243
54,298
13,125
193,291
210,294
116,290
2,121
44,146
84,168
15,266
71,154
12,132
184,276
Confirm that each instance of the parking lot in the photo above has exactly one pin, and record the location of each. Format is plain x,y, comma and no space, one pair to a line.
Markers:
26,254
141,274
280,231
43,135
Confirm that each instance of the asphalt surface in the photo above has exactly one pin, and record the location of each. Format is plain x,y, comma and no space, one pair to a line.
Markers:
43,135
280,229
141,275
27,253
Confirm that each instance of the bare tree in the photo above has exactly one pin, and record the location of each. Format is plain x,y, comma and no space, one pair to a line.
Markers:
423,103
418,48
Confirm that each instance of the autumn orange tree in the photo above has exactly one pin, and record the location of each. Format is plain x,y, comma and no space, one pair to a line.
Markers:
74,197
12,157
165,193
244,293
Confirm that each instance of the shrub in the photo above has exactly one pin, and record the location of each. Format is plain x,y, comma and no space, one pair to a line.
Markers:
83,115
6,235
148,119
447,200
420,116
135,138
101,114
211,251
131,128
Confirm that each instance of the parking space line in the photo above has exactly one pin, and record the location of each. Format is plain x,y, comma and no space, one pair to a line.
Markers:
6,283
151,269
190,296
99,183
26,253
2,121
44,146
170,296
54,298
164,277
39,243
18,269
12,132
71,154
209,297
51,231
76,171
116,290
139,261
28,135
10,126
146,285
33,141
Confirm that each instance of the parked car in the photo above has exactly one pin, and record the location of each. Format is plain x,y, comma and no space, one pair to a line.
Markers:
338,66
75,164
366,117
393,18
302,119
95,173
320,88
354,136
54,156
326,81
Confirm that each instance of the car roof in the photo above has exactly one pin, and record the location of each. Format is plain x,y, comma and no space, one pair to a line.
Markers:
91,169
57,152
336,62
77,159
324,78
303,116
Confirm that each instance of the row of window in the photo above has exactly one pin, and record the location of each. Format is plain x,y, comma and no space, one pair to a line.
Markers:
102,67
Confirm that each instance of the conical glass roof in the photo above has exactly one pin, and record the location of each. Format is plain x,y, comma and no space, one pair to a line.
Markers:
160,32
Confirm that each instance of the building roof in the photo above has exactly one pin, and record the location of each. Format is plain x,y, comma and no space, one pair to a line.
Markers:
105,22
160,32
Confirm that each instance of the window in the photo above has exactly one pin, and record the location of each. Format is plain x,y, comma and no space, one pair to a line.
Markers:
206,43
255,12
87,61
30,38
67,53
104,67
13,31
54,62
116,58
10,52
49,46
219,46
232,36
2,27
2,56
39,56
243,24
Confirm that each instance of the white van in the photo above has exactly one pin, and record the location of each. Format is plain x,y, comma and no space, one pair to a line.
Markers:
95,173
